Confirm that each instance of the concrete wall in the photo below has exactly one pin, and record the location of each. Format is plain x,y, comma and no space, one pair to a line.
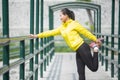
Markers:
19,15
106,6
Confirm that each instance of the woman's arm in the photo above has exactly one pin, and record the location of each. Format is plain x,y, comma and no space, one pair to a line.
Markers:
46,33
33,36
79,28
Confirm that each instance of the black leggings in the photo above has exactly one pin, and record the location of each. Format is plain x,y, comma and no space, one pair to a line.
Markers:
84,57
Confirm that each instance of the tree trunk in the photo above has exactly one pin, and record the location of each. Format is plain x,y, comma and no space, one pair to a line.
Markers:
90,19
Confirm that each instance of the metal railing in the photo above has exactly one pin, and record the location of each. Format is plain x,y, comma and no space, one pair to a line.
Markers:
109,44
110,51
41,55
36,51
109,56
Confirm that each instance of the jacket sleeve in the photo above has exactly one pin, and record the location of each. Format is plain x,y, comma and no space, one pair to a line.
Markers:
49,33
79,28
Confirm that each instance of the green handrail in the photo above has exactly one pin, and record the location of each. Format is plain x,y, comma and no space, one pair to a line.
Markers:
37,40
112,38
82,5
5,14
41,43
45,47
31,64
109,38
35,47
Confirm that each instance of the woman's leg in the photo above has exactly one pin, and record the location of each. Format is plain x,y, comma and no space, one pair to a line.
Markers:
87,58
80,67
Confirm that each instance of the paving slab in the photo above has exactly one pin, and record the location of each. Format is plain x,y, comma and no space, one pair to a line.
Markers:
63,67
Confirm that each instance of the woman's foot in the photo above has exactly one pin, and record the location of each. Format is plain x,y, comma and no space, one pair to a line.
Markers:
95,49
95,46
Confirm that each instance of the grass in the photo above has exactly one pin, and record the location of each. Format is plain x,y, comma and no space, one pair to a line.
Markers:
62,47
14,50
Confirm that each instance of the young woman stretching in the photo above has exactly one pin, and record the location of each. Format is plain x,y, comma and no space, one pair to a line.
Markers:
70,30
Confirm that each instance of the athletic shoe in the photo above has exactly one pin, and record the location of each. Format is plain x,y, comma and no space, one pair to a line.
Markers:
93,44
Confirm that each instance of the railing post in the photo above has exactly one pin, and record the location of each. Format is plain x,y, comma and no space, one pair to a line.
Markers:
51,27
22,56
99,14
41,43
31,32
97,25
45,54
112,38
49,50
102,52
94,21
119,42
106,55
5,14
97,20
37,40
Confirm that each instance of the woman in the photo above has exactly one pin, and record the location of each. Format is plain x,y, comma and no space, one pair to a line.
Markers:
70,30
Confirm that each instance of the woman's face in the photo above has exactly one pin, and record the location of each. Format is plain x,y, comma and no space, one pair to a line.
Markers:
63,17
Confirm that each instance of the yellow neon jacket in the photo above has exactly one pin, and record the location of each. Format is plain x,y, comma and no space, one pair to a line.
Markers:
70,31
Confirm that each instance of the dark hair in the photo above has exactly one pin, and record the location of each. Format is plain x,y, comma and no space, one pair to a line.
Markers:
68,12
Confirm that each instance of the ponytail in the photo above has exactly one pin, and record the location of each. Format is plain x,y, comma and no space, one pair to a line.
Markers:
68,12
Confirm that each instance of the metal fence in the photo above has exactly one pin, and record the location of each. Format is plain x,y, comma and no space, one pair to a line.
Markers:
110,51
39,56
38,52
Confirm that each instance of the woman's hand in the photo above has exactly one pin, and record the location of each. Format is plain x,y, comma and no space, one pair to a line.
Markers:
33,36
98,42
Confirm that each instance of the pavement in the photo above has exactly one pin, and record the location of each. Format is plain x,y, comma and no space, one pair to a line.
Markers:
63,67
